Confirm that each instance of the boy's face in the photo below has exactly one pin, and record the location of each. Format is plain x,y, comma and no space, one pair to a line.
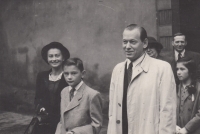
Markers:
72,75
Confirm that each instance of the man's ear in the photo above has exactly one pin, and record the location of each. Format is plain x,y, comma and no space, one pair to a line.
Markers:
145,42
83,74
172,43
185,43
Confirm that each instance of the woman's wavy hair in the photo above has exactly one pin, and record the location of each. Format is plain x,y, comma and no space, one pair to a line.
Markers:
190,65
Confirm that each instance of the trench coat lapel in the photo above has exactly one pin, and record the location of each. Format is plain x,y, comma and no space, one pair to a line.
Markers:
139,71
121,83
142,67
76,99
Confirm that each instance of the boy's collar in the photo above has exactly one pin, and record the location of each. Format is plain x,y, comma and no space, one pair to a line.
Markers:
77,86
136,62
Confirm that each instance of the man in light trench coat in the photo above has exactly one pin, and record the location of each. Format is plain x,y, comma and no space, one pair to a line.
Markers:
146,104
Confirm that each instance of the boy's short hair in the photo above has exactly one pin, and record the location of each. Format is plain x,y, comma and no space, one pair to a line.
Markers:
74,61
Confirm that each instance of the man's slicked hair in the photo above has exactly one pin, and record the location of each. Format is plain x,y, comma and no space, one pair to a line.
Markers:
179,34
143,32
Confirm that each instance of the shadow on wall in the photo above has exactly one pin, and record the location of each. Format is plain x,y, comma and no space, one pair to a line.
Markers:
15,72
16,99
101,84
11,71
5,57
17,68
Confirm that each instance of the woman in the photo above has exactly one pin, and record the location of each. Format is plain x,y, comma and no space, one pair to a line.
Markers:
48,87
188,99
154,48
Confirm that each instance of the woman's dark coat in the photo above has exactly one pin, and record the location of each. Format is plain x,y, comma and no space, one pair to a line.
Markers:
42,97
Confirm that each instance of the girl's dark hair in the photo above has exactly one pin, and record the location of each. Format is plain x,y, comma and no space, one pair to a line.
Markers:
74,61
190,65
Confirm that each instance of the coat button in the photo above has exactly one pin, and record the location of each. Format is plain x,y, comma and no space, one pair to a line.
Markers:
118,121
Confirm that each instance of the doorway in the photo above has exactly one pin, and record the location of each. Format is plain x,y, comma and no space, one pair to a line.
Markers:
189,11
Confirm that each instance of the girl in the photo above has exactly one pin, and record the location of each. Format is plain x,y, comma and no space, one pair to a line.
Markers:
188,99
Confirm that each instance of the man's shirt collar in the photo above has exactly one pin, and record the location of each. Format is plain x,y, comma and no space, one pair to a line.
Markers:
77,86
136,62
176,54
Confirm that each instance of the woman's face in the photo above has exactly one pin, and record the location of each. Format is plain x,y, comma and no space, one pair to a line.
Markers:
182,72
152,52
54,57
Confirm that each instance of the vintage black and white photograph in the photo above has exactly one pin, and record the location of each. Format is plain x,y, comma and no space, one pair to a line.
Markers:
99,67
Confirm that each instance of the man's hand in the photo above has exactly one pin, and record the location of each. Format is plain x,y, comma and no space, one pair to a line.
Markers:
42,109
183,131
178,129
70,132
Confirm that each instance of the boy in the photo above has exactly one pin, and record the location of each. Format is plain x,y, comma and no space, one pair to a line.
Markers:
81,106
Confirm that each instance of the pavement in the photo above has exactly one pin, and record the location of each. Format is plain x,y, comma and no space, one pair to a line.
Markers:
13,123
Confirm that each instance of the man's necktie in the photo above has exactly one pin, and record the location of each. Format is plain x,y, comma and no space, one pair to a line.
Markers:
127,79
179,56
72,93
129,71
